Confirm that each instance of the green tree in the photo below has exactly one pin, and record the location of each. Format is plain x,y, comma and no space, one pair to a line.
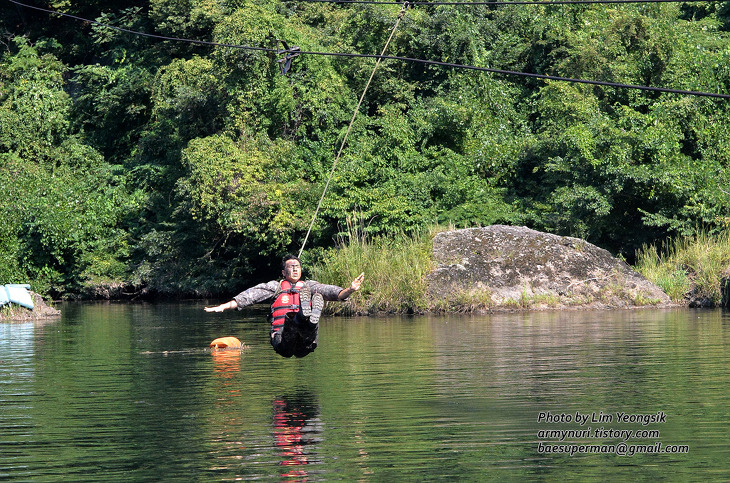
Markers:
193,19
232,207
66,202
34,107
111,107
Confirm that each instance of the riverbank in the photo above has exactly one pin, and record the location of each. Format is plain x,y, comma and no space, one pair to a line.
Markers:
398,271
41,310
519,270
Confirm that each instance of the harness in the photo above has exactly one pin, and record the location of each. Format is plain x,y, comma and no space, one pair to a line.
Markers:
285,301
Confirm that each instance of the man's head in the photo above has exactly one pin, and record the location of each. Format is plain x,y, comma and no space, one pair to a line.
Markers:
291,268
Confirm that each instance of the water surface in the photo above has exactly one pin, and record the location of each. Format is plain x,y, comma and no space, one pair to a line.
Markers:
129,392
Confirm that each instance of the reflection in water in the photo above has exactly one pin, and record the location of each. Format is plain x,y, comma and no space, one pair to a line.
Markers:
296,427
448,398
225,420
17,394
226,363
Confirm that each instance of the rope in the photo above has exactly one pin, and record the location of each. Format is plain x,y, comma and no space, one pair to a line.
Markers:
349,127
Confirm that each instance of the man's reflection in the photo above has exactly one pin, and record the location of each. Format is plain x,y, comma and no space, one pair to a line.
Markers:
296,427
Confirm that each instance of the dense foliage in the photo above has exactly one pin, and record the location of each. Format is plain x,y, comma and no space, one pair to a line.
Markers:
171,167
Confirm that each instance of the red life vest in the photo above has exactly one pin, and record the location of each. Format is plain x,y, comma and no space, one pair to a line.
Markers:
287,300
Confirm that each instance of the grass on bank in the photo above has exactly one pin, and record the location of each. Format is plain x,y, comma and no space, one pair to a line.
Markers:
395,271
687,268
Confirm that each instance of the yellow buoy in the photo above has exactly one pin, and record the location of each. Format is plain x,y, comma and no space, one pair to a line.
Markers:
225,343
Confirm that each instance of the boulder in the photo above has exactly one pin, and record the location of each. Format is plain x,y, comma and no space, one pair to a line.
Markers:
517,267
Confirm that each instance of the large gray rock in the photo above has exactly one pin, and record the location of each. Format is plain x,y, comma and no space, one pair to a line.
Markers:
517,267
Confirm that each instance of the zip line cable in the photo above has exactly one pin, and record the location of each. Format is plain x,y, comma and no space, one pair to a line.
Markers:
392,57
142,34
401,14
527,74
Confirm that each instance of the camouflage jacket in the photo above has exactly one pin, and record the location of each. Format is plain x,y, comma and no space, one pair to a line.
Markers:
268,290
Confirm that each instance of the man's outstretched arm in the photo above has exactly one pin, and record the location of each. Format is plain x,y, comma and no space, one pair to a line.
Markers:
250,296
220,308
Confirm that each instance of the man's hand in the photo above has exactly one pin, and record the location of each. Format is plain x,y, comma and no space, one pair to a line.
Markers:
355,285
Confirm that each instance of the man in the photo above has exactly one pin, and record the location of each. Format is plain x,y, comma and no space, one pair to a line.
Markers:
296,308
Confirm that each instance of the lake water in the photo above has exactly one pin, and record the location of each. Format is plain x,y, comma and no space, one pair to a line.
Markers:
130,392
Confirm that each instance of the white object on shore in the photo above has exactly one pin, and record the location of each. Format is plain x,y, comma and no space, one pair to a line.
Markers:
16,293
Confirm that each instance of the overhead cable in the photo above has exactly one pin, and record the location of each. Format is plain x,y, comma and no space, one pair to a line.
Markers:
143,34
525,74
393,57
